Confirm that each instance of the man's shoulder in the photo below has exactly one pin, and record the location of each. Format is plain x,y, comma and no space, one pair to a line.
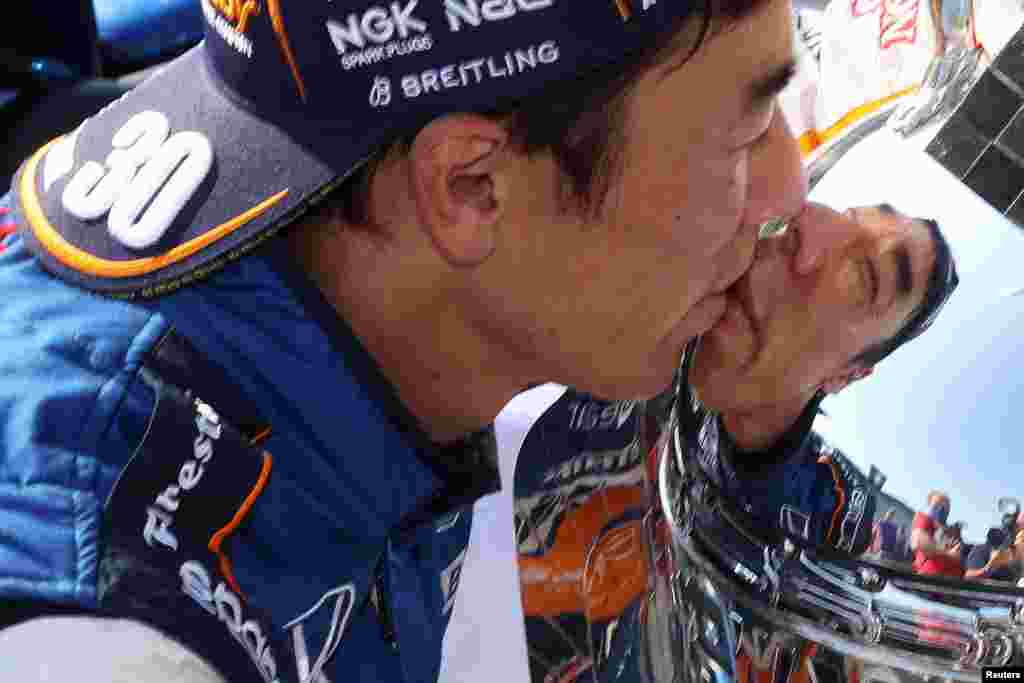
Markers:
25,283
54,337
979,556
71,413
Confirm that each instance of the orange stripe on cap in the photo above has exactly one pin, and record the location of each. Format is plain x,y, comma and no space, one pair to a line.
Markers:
277,22
263,434
87,263
218,538
840,492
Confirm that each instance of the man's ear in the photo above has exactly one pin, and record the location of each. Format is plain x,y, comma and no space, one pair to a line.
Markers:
459,194
844,378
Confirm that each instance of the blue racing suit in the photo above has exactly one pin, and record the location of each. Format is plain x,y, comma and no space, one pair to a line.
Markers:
801,485
227,464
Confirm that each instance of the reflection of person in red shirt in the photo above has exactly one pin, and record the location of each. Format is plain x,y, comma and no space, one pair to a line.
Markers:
930,556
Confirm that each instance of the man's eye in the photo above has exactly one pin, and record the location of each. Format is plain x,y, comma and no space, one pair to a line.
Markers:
764,123
870,277
757,139
759,126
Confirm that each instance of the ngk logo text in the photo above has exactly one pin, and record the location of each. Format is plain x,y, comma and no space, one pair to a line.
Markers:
378,34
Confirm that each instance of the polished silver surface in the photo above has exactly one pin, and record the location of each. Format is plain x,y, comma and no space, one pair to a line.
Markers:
951,73
870,614
939,415
721,599
828,155
945,85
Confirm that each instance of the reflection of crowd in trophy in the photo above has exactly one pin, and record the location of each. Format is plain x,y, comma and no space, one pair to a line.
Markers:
935,547
890,540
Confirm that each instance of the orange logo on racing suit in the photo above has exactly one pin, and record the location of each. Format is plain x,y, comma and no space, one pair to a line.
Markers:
596,566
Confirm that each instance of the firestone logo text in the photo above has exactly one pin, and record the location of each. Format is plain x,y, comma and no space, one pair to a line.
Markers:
160,515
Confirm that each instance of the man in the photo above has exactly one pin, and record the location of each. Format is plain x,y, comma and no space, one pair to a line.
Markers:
822,304
904,545
994,559
954,536
527,192
932,557
885,537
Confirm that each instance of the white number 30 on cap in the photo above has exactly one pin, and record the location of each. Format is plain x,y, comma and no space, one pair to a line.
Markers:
147,180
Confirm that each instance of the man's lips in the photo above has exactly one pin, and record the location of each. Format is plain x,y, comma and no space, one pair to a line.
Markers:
704,315
740,307
741,293
744,294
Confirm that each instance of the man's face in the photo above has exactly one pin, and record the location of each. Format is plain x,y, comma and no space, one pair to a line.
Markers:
607,304
940,502
789,330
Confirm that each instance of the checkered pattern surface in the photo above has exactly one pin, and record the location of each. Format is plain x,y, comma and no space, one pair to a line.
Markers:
982,143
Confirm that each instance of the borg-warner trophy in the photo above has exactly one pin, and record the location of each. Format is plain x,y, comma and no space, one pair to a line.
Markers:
924,578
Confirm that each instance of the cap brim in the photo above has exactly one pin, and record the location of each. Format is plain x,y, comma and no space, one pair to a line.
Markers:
261,179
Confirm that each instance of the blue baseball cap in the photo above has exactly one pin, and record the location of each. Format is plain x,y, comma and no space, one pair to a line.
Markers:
282,101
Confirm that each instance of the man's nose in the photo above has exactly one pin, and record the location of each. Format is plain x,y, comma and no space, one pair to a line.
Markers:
778,181
821,230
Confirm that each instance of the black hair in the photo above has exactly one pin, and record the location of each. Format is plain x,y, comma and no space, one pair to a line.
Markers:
581,120
942,281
